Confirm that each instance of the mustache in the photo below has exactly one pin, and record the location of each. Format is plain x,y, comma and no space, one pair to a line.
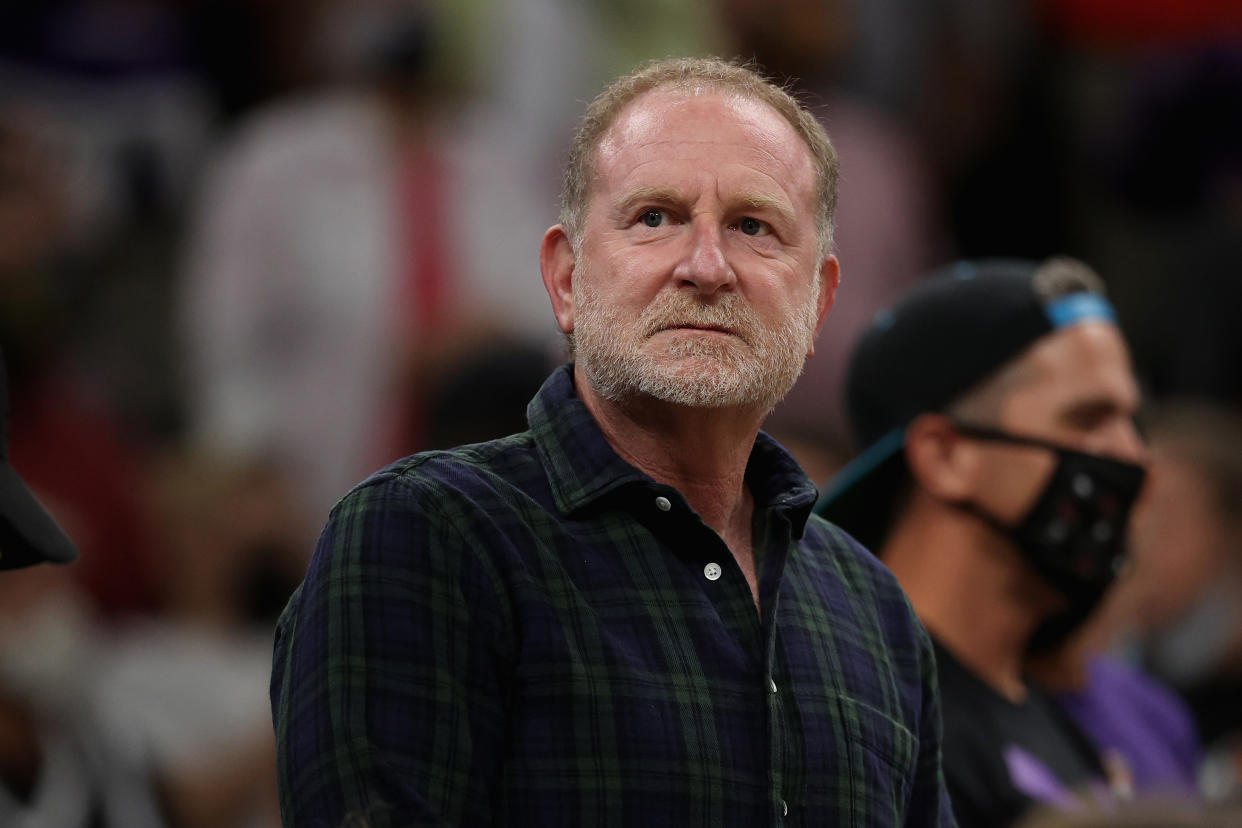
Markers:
678,310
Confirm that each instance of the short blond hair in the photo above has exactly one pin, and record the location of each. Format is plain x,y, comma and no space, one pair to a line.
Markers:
693,74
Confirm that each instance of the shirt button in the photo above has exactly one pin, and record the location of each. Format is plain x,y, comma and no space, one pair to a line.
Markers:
712,571
771,684
663,504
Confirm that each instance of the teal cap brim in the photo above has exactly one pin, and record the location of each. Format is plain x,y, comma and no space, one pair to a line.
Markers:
859,498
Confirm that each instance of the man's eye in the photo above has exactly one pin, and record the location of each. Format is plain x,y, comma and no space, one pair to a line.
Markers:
652,218
752,226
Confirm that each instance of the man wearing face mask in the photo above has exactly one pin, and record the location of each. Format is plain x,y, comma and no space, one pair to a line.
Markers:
996,401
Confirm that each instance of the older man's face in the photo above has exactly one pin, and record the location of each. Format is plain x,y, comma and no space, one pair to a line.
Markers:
699,280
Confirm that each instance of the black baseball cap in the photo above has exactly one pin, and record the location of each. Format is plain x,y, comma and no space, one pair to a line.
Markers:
954,329
28,535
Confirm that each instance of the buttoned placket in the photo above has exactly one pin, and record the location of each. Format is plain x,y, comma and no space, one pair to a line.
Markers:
718,572
773,532
722,578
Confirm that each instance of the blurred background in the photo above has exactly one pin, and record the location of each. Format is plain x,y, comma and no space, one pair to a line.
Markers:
252,250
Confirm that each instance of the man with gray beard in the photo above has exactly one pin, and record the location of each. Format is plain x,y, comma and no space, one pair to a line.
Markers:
626,615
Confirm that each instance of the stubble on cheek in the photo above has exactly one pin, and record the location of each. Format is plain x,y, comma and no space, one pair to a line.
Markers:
747,366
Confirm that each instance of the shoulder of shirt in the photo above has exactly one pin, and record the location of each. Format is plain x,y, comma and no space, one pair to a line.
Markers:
499,460
847,550
863,574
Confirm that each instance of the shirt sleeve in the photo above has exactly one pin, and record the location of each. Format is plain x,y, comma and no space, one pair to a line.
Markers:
389,674
929,802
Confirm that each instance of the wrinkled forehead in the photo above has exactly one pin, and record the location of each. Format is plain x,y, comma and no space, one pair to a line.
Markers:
667,114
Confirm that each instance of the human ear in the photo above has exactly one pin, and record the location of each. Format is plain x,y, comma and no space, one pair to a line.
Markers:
940,460
556,262
829,276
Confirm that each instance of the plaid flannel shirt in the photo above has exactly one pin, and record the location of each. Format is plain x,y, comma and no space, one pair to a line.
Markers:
530,631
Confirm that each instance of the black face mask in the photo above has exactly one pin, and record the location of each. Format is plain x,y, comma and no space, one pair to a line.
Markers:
1075,534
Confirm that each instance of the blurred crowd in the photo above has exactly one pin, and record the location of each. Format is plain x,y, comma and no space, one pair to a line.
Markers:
252,250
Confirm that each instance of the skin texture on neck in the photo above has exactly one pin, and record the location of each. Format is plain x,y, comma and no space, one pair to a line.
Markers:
970,588
700,452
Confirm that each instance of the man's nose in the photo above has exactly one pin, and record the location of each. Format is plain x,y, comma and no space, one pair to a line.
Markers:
704,265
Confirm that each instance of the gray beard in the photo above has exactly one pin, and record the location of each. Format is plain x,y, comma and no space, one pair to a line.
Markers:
754,369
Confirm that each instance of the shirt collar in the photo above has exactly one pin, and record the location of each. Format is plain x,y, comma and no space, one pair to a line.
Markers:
583,467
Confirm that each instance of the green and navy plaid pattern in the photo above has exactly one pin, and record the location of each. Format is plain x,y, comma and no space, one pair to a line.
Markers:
532,632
